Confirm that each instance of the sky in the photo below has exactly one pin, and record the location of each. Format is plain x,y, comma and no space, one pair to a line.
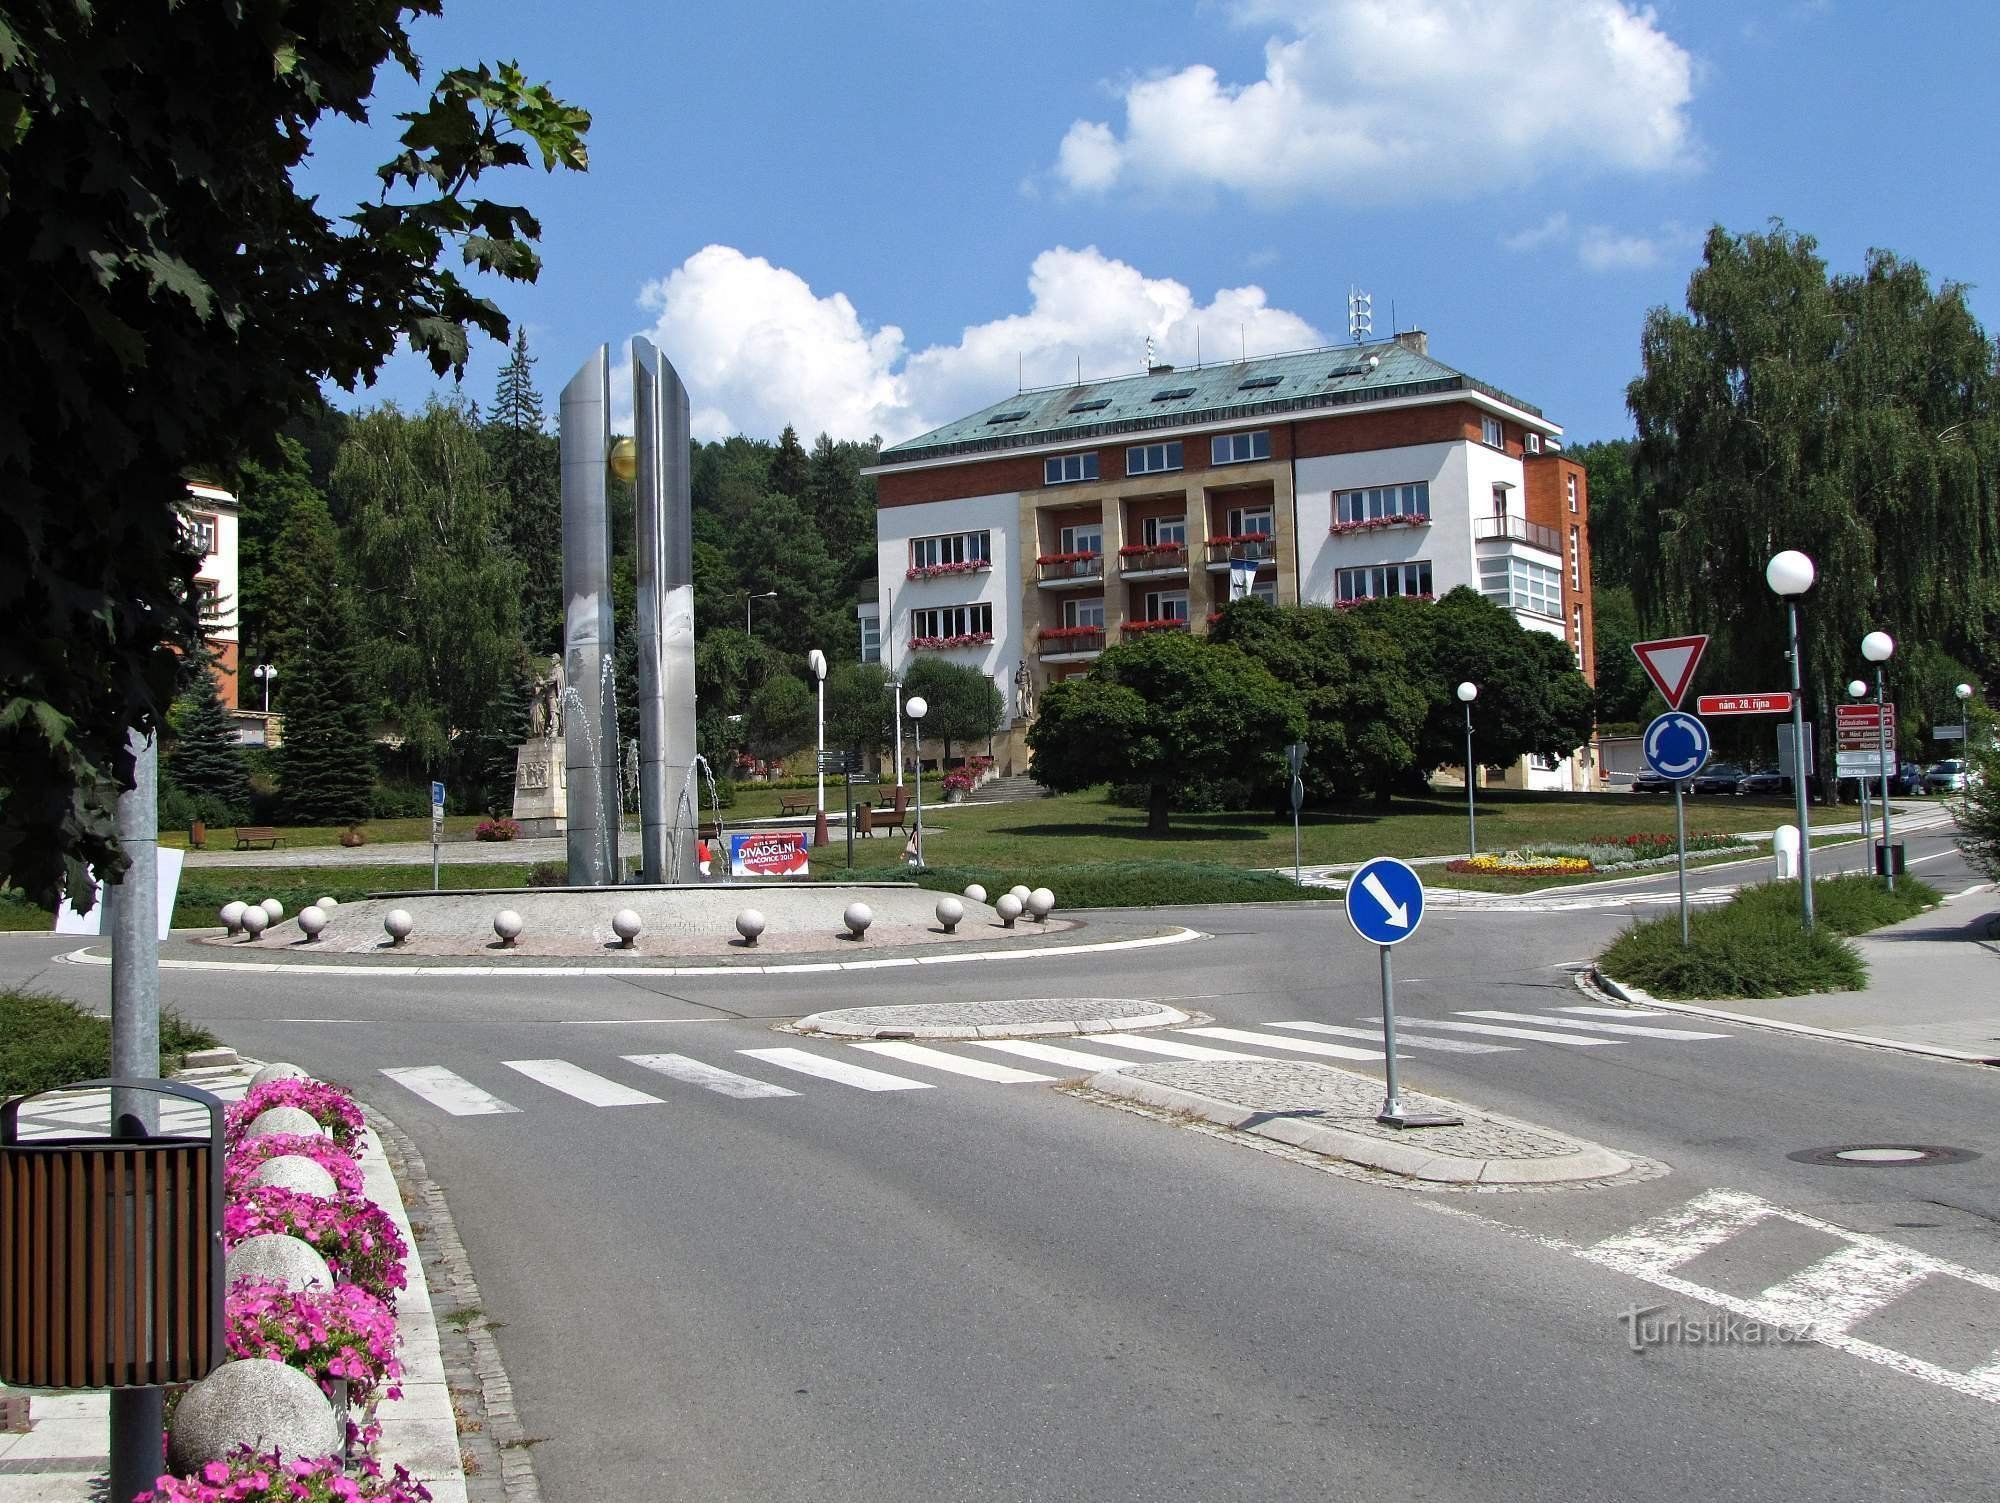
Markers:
868,219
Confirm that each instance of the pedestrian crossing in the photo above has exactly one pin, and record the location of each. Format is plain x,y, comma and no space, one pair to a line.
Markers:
893,1066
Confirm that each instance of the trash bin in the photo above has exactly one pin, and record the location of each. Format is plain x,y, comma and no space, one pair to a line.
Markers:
1888,858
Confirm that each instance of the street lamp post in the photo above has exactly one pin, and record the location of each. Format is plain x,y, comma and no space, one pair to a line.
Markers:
1878,647
1964,693
816,661
1467,693
1858,689
1791,574
747,598
915,707
264,673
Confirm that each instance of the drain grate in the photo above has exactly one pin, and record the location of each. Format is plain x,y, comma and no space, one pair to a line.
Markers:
1883,1156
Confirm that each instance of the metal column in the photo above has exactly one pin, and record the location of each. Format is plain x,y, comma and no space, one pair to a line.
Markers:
664,522
590,704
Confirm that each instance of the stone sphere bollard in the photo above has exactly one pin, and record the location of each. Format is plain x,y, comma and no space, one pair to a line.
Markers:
976,893
286,1119
253,921
398,924
507,924
1041,903
626,925
279,1258
1009,909
750,924
273,909
231,915
278,1070
294,1171
311,921
1020,890
257,1402
325,905
857,918
949,912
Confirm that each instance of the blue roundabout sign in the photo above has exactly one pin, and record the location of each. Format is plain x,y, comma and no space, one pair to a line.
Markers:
1676,745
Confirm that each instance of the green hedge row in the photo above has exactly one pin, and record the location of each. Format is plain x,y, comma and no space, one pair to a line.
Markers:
1126,884
49,1041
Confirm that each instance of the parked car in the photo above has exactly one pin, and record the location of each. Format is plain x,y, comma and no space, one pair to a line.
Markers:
1947,776
1764,782
1717,777
1651,782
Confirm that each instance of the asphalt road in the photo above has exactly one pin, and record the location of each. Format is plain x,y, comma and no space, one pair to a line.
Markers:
982,1290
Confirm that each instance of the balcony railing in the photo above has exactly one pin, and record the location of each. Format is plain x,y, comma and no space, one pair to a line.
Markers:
1056,567
1061,641
1165,623
1222,549
1144,560
1517,530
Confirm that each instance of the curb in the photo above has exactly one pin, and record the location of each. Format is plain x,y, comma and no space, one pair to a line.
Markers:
1406,1160
1161,1017
1634,996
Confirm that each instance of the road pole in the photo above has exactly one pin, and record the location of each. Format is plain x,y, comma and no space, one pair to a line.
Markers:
1681,854
132,919
919,833
1471,814
1392,1102
1297,865
1801,767
1867,830
1882,765
847,781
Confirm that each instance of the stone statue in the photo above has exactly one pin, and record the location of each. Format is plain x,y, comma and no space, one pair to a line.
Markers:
545,703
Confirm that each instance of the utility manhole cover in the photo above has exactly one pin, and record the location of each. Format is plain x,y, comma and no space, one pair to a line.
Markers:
1884,1156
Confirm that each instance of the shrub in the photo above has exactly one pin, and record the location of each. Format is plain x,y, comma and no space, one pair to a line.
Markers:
267,1477
496,829
1850,904
327,1334
399,801
549,874
49,1041
328,1105
1127,884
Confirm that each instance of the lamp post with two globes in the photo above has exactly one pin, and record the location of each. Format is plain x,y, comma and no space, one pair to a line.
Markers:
1858,689
1790,574
1878,647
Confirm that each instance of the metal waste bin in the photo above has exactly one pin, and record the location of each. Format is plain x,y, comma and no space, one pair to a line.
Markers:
1888,856
111,1257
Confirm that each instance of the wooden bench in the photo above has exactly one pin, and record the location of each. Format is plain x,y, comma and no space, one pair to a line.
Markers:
796,803
249,835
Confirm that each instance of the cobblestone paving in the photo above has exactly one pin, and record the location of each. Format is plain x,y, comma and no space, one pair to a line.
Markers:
1001,1014
1349,1102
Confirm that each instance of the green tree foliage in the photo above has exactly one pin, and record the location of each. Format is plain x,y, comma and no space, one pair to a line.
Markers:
1607,469
525,467
858,707
267,493
1623,690
790,471
842,501
779,548
438,596
1169,712
1978,810
207,760
326,763
1851,417
1363,711
783,716
497,741
961,704
172,298
729,668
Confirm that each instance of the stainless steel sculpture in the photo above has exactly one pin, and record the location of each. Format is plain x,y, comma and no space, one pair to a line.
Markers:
664,523
590,710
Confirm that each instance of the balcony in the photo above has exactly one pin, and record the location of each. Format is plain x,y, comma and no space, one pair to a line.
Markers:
1517,530
1257,545
1069,644
1060,571
1140,561
1165,623
941,571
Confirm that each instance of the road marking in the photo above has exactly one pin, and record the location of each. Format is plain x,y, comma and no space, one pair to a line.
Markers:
571,1080
1625,1029
708,1077
1613,1012
836,1070
1146,1045
1661,1245
937,1059
446,1091
1050,1054
1445,1046
1296,1046
1840,1290
1494,1030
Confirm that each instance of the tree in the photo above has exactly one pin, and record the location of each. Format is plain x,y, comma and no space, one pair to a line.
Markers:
1978,810
497,741
438,598
207,760
1607,467
961,704
1167,711
526,473
778,548
267,495
172,298
1851,417
1363,710
783,716
1622,686
790,471
841,501
858,707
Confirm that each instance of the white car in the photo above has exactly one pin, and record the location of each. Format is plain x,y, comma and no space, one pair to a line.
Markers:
1946,777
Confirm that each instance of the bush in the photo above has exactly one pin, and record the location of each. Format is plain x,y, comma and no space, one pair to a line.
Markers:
49,1041
399,801
1851,904
1125,884
496,829
549,874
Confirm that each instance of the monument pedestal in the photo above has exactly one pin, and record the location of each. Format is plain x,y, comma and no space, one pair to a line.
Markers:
541,795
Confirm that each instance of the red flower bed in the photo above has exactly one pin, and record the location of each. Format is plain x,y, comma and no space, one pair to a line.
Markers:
933,571
968,639
1070,633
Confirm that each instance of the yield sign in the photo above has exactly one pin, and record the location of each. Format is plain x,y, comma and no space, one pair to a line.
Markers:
1670,664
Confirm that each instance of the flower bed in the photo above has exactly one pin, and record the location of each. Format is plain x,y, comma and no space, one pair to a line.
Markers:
933,571
1635,850
242,1161
933,644
958,782
328,1105
358,1240
1376,524
344,1334
1082,556
1522,864
266,1477
496,829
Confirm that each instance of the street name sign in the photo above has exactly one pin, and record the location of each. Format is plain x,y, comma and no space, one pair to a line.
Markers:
1676,745
1670,663
1779,703
1858,728
1385,901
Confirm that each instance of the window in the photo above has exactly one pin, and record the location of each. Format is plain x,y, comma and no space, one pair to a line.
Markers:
1266,590
208,601
1532,442
1235,448
1575,557
1521,585
1083,613
1166,605
1256,383
1491,432
1005,417
1500,498
1382,579
1153,459
1248,521
1084,537
1173,394
1093,405
1065,468
1165,532
951,552
1576,632
941,623
1543,762
1412,500
1570,480
201,532
871,639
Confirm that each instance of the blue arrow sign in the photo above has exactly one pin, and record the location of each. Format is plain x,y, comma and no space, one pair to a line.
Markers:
1385,901
1676,745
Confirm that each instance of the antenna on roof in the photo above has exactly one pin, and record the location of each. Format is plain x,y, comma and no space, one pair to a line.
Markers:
1197,346
1020,371
1360,315
1242,345
1149,352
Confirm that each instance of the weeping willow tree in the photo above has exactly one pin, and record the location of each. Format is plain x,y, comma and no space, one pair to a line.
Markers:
1850,417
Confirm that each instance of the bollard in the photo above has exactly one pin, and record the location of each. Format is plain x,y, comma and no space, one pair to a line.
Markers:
949,912
750,924
231,915
273,909
625,924
399,925
1785,852
976,893
507,924
311,922
1041,903
1009,909
325,905
253,922
857,918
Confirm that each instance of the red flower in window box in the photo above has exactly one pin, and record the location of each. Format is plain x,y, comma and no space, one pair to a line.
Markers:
1082,556
1376,524
932,571
965,639
1163,623
1069,633
1232,539
1132,549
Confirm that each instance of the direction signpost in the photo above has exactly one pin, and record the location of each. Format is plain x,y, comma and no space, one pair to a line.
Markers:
1295,754
437,832
1779,703
1385,903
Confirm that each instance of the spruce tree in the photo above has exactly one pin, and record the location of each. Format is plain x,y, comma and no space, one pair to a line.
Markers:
527,478
326,763
791,471
207,760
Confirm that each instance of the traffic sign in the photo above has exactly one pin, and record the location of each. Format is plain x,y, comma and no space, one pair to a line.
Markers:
1744,704
1298,794
1670,663
840,761
1859,728
1676,745
1385,901
1295,753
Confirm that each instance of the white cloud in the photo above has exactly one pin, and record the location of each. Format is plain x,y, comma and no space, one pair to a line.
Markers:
1554,228
1600,248
759,348
1405,100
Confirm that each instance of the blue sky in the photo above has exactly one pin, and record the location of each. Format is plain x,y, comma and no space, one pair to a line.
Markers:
875,217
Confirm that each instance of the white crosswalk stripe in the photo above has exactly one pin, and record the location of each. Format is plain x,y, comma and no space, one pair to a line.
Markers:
572,1080
1615,1012
954,1064
1498,1031
708,1077
1443,1046
1681,1235
447,1091
1148,1045
1293,1046
838,1071
1052,1054
1629,1030
1840,1290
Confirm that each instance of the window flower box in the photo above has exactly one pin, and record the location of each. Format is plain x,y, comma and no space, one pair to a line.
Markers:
1132,550
1083,557
939,644
1348,605
1164,623
1377,524
935,571
1232,539
1069,633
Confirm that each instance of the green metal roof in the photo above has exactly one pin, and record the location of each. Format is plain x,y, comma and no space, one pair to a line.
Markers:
1168,398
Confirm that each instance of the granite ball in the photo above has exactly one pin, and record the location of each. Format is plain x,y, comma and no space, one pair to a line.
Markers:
231,915
750,924
626,924
398,924
257,1402
254,920
949,912
857,918
1009,909
976,893
289,1119
294,1171
278,1070
273,909
312,919
277,1258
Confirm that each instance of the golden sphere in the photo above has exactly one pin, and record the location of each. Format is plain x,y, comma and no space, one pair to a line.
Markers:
624,459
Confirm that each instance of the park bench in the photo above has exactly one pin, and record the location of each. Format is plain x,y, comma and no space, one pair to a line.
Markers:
800,802
249,835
